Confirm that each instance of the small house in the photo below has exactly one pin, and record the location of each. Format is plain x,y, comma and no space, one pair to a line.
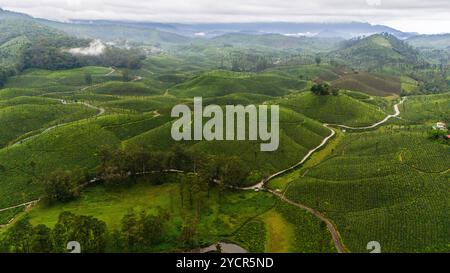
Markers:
440,126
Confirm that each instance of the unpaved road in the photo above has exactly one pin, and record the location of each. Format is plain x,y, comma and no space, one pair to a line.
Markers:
261,184
397,113
339,245
21,205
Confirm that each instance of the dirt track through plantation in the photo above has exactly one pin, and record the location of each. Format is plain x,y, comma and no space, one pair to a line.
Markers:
338,243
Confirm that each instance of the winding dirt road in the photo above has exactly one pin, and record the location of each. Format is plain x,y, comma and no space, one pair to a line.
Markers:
397,113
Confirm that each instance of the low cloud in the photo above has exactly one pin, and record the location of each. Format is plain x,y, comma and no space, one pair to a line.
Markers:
95,48
431,16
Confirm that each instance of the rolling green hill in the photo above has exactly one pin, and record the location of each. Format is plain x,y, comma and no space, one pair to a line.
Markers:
20,119
220,83
377,50
123,89
65,147
298,135
342,109
310,72
372,84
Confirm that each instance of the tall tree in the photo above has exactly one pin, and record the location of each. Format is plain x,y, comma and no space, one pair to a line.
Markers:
88,78
42,241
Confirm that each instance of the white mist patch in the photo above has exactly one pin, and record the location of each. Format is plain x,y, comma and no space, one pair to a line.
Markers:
95,48
301,34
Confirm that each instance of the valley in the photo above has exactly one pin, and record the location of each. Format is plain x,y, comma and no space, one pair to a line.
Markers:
86,145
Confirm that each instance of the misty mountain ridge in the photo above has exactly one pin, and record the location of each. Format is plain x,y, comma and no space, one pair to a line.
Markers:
323,30
346,30
161,34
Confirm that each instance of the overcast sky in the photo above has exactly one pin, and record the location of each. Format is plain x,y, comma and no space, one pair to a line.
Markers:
424,16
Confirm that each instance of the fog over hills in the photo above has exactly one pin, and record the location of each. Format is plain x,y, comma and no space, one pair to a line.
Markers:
329,30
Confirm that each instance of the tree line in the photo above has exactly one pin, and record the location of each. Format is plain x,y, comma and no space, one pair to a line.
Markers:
45,55
121,167
137,232
23,237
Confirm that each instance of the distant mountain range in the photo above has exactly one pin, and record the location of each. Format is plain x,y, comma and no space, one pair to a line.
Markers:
322,30
275,34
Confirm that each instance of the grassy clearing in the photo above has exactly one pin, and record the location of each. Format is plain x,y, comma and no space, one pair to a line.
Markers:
221,83
222,216
280,234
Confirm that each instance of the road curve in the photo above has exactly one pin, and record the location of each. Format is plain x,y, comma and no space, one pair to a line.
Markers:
262,183
340,247
388,117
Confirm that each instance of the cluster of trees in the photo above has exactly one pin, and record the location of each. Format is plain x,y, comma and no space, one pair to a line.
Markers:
439,135
45,54
64,186
140,232
324,89
120,167
430,81
22,237
4,74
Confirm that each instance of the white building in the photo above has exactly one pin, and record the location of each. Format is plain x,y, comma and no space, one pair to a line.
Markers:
440,126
